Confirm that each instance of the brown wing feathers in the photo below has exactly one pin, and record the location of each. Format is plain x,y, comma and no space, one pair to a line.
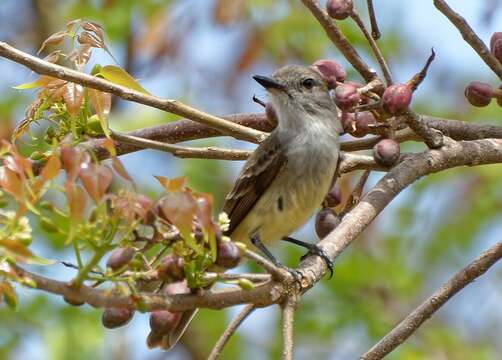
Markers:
256,176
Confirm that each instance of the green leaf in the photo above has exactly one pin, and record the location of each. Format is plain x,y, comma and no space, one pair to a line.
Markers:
120,77
9,295
41,81
102,103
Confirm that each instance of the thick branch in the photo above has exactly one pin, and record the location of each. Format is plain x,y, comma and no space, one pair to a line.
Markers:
470,36
416,318
411,168
452,154
173,106
261,295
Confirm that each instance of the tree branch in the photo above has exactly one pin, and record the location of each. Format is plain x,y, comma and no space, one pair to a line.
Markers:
288,313
173,106
229,331
470,36
262,295
340,41
416,318
374,46
432,137
183,151
452,154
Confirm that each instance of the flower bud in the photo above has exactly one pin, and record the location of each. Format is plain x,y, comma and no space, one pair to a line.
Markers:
339,9
397,98
346,96
179,287
162,322
478,94
363,121
120,257
171,268
325,221
333,197
331,71
496,45
271,115
348,122
116,317
386,152
229,255
72,301
153,340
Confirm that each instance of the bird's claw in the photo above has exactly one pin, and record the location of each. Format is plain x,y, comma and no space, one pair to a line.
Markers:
316,250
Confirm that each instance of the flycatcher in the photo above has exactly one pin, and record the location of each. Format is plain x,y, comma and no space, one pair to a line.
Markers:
288,175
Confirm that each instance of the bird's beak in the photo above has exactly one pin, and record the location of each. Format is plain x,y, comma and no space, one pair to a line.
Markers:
268,83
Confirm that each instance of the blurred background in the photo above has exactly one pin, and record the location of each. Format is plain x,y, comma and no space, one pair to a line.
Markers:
204,52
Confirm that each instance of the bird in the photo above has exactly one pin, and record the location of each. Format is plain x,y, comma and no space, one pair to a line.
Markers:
286,178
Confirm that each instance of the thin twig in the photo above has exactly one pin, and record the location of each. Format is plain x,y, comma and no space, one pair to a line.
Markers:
173,106
340,41
417,79
229,331
356,194
423,312
258,278
288,313
375,31
183,151
374,46
470,36
277,273
351,162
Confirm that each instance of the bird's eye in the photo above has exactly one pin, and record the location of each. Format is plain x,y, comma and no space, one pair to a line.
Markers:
308,83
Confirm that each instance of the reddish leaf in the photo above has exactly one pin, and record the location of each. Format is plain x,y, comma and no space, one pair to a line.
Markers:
109,146
16,248
51,168
71,163
120,169
86,38
73,158
76,200
10,182
96,29
204,210
176,184
180,208
71,24
55,39
73,95
80,56
96,179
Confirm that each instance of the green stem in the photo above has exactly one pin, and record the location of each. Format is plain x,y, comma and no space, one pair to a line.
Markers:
82,274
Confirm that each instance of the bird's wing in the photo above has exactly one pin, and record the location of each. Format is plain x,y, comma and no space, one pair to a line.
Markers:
262,167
